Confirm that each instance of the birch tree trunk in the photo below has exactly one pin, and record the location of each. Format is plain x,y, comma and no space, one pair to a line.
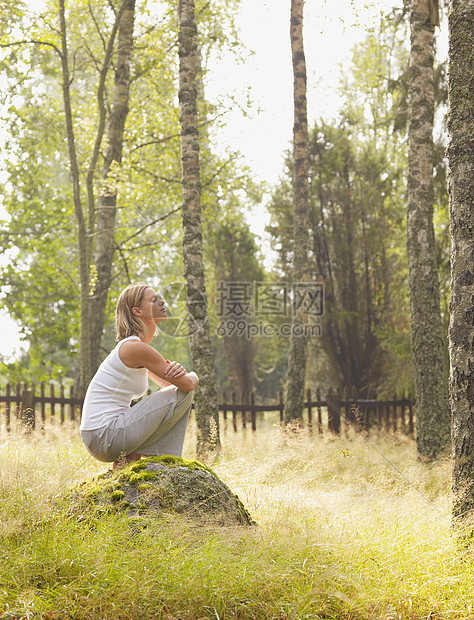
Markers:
206,404
92,308
430,373
107,208
461,212
298,343
84,336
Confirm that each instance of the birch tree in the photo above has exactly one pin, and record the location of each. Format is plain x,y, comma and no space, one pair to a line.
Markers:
298,343
93,307
107,208
83,246
461,212
430,373
207,414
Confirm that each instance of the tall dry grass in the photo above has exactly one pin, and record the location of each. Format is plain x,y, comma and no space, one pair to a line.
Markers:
349,527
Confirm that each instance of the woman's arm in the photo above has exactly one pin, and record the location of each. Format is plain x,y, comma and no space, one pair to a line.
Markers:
158,380
137,354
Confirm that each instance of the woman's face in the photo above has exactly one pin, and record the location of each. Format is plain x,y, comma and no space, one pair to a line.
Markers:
151,307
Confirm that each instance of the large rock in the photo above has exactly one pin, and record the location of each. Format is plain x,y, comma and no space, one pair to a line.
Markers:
167,484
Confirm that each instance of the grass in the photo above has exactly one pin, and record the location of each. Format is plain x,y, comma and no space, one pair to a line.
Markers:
342,534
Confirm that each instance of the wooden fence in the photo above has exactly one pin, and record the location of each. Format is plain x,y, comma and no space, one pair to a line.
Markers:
31,405
335,412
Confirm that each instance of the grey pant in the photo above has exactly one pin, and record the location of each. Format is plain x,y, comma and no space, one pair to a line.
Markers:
153,426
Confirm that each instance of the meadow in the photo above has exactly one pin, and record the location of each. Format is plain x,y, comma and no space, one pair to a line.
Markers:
350,527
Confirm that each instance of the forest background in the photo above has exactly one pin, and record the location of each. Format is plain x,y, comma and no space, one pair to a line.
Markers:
353,526
358,164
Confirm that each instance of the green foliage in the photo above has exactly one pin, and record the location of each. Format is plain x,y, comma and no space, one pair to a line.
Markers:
357,192
357,235
39,284
356,243
375,89
236,261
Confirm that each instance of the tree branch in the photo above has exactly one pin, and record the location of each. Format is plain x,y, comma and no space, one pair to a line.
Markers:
124,261
157,141
102,106
217,172
157,177
65,271
99,32
175,135
140,230
34,42
202,9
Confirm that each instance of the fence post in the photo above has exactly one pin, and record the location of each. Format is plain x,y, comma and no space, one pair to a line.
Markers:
281,404
51,392
328,407
356,417
43,406
369,418
61,408
402,415
234,412
27,409
310,411
72,411
224,409
334,413
387,416
395,414
379,413
253,414
18,400
243,402
344,397
7,408
320,421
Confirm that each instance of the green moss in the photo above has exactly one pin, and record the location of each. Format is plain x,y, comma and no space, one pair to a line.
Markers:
117,495
137,466
93,492
114,487
146,486
142,476
177,461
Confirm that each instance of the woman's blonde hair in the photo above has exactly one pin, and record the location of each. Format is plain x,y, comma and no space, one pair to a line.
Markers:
126,323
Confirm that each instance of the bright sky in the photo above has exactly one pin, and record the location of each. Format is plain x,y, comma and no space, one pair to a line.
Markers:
331,28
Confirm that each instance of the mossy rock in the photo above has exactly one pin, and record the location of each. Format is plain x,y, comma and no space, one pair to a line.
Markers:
166,485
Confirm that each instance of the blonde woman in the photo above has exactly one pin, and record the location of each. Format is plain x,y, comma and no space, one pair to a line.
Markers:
111,429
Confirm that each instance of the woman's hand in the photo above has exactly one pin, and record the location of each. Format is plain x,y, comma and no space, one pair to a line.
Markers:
136,354
174,370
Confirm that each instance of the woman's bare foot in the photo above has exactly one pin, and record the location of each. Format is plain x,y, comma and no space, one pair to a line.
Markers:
125,460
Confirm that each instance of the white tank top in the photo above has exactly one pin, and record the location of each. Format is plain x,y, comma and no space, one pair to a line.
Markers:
112,389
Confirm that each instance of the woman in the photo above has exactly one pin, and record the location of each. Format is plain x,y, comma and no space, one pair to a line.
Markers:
111,429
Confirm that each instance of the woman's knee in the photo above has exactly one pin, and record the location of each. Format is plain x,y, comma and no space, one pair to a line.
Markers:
182,395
